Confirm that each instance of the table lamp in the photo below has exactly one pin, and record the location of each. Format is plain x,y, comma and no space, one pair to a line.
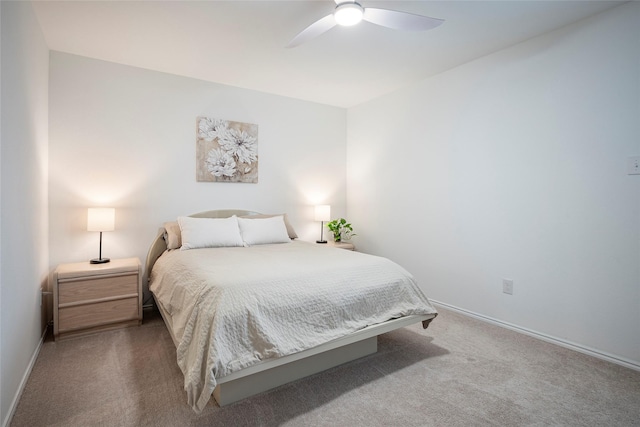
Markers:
101,219
323,213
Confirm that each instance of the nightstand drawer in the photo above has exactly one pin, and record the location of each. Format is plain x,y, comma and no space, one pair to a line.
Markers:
96,288
86,316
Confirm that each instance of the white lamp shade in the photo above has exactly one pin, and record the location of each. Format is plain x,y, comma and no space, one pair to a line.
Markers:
101,219
323,213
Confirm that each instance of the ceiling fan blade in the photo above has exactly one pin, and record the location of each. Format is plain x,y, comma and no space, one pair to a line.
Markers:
400,20
314,30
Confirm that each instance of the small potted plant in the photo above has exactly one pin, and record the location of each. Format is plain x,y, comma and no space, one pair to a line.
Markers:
341,229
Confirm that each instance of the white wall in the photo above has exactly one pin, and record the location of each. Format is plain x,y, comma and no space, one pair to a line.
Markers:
125,137
23,196
514,166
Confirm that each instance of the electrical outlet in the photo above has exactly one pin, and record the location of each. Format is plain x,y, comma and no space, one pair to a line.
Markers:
633,165
507,286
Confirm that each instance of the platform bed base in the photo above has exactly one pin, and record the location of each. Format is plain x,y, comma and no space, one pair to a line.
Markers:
250,385
276,372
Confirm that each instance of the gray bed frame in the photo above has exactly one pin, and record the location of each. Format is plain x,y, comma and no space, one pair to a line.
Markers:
275,372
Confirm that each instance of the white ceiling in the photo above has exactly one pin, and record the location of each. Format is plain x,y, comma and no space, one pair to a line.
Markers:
241,43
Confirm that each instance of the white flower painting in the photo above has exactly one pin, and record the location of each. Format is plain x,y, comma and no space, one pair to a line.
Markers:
226,151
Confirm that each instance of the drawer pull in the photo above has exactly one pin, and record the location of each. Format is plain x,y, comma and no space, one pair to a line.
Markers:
97,300
97,276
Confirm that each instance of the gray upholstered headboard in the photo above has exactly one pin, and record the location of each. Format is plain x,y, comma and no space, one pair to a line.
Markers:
159,245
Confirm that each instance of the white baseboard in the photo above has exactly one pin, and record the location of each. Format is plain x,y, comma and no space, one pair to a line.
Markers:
23,382
544,337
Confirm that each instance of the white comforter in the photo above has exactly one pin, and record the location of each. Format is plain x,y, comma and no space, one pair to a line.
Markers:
231,308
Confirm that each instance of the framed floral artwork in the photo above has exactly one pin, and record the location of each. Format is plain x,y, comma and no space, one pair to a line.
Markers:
226,151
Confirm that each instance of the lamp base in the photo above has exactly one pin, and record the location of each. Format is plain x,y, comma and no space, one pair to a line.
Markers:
321,241
99,260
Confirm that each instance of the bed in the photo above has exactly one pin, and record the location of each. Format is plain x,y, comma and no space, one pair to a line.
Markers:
246,318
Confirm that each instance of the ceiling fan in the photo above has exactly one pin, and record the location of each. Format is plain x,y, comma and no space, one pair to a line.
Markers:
349,12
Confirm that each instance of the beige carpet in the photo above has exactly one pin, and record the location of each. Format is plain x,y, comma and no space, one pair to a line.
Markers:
459,372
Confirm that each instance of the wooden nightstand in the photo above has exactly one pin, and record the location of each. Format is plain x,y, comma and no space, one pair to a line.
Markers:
342,245
95,297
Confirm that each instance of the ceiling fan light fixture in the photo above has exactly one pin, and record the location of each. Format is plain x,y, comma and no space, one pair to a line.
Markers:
348,14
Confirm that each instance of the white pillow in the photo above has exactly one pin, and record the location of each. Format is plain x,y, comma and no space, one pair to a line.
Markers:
290,230
209,232
260,231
